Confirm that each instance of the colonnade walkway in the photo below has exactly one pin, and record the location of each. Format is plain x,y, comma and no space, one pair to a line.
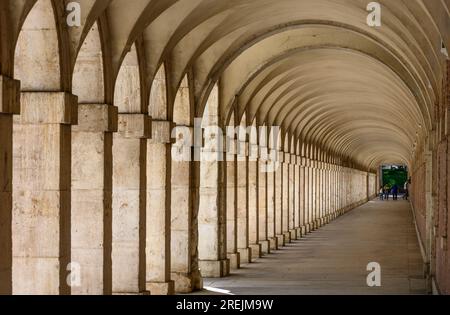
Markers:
334,259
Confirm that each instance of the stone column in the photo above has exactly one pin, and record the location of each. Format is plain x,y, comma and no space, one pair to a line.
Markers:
328,187
262,202
321,196
213,260
331,177
271,207
286,210
313,195
91,219
339,189
296,193
128,207
253,200
293,216
302,194
231,204
184,231
158,210
41,195
279,200
9,105
242,204
307,186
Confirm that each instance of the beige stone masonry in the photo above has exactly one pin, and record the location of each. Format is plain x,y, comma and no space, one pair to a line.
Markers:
158,209
231,204
91,219
162,132
96,118
48,108
184,261
135,126
41,194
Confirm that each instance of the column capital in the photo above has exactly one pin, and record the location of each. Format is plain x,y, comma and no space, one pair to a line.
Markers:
135,126
161,132
48,108
9,95
97,118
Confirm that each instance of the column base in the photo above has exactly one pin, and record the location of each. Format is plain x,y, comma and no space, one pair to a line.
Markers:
273,243
255,250
293,234
187,282
287,237
303,229
214,268
308,227
265,247
246,255
235,260
318,223
280,241
161,288
322,222
299,233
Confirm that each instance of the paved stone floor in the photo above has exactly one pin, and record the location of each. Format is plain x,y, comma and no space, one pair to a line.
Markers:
333,259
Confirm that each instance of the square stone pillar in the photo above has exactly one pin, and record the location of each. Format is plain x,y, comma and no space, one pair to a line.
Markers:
41,195
285,198
231,205
316,197
253,201
184,231
311,190
242,204
296,193
321,194
291,199
212,242
262,201
302,195
271,208
129,197
91,219
158,210
9,105
279,200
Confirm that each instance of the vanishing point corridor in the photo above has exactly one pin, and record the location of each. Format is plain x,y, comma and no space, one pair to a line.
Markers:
170,147
333,259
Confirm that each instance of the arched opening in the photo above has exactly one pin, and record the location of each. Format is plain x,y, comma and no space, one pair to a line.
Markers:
129,196
92,142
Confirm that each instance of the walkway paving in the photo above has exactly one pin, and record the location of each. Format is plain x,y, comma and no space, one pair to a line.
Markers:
333,259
